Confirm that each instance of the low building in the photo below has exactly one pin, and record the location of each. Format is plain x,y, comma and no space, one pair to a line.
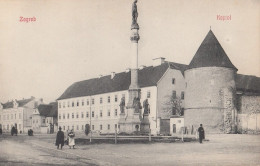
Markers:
18,113
176,124
44,118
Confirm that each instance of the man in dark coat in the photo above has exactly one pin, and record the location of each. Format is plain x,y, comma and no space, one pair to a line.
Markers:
60,138
201,133
13,131
1,131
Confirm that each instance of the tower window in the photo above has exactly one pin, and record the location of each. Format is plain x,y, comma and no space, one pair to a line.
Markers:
115,98
108,126
93,101
100,114
87,102
101,100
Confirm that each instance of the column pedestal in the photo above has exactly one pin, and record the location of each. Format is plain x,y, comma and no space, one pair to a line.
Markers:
145,124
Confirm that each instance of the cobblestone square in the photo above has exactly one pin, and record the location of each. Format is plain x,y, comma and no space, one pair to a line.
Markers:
219,150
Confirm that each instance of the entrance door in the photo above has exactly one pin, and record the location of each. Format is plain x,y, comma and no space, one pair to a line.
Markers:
87,129
174,128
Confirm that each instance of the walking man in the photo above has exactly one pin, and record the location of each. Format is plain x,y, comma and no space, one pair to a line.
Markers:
60,138
201,133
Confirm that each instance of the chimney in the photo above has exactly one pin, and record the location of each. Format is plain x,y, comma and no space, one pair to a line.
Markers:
127,70
100,75
141,67
158,61
113,75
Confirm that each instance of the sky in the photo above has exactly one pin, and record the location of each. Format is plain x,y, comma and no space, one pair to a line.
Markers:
72,41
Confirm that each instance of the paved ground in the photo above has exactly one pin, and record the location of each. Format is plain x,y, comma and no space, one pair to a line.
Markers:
219,150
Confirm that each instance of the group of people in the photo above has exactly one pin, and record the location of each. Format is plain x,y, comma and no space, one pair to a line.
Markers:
71,137
60,139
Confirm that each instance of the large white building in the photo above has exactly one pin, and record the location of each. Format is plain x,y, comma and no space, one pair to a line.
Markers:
96,101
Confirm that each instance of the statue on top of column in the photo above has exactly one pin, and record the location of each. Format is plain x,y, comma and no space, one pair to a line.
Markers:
134,16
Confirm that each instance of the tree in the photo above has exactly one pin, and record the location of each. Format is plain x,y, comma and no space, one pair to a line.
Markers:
173,105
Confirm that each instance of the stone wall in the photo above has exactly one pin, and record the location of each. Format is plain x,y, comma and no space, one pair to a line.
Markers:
212,119
249,114
207,94
204,85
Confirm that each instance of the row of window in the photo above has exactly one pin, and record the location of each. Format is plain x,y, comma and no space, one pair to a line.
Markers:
77,103
11,116
88,102
43,121
175,96
87,114
83,128
9,127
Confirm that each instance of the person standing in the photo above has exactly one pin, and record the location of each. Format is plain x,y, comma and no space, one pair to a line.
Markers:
201,133
1,131
60,138
13,131
71,136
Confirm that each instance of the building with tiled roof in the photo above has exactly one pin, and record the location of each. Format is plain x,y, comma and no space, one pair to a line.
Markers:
199,85
98,99
211,54
44,118
18,113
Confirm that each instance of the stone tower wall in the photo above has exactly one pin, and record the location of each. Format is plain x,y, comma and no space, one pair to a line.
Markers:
204,100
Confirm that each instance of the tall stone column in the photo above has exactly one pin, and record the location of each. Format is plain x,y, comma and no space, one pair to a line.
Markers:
130,120
134,89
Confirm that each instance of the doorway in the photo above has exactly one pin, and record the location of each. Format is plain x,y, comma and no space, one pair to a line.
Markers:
174,128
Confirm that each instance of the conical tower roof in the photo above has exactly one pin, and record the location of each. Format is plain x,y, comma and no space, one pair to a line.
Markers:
210,54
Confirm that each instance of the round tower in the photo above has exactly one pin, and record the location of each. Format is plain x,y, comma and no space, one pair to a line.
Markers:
210,89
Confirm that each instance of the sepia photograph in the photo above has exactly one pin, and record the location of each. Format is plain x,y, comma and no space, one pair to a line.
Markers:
129,83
